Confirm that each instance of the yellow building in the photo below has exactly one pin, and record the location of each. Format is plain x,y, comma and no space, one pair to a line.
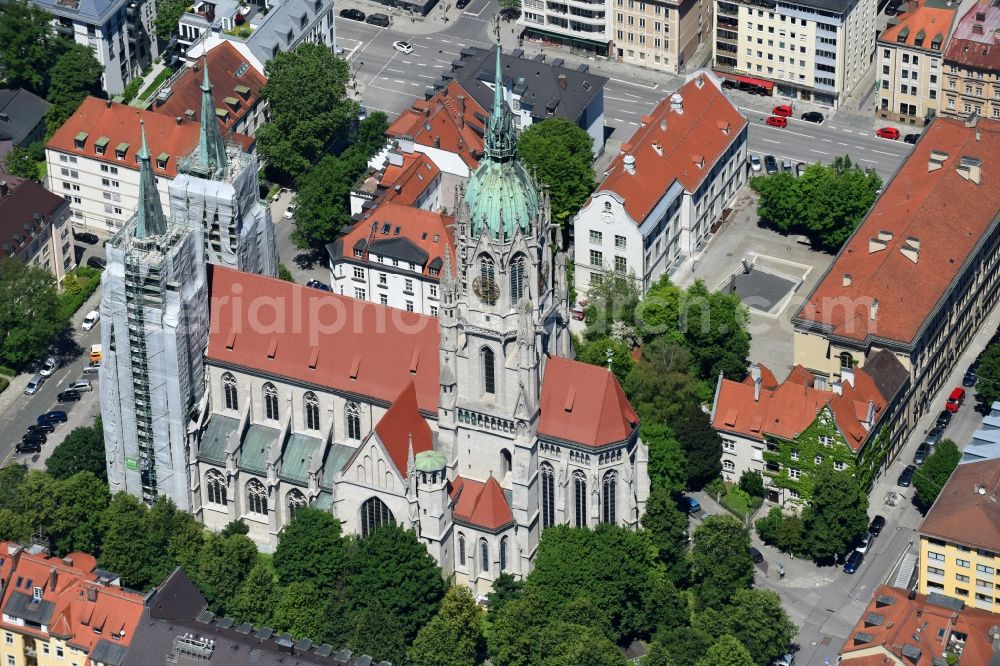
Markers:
972,65
659,34
960,538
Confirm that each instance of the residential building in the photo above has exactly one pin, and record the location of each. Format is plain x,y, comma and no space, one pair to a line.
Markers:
788,431
900,627
121,34
659,34
263,29
22,116
910,54
238,103
92,159
972,64
394,255
914,234
534,89
34,226
960,538
816,50
582,28
62,610
661,196
403,176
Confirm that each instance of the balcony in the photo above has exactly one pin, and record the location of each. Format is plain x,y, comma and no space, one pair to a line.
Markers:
728,9
726,36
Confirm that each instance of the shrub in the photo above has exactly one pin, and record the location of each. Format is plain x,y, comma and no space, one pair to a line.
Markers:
10,372
752,483
4,383
78,286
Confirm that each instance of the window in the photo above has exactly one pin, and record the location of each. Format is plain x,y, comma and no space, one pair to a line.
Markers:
517,272
256,497
484,556
729,445
359,293
826,440
596,258
353,413
408,285
818,460
487,277
580,499
374,514
839,466
359,273
59,651
409,306
215,484
548,496
937,557
503,554
383,299
609,497
962,563
294,501
229,390
489,370
312,411
619,242
8,638
432,290
596,237
270,401
729,465
984,569
961,579
383,279
793,473
621,265
934,571
795,454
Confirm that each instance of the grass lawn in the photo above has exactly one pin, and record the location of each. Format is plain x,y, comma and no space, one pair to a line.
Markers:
738,501
77,288
160,78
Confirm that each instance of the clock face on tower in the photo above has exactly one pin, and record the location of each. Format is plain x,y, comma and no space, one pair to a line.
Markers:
486,289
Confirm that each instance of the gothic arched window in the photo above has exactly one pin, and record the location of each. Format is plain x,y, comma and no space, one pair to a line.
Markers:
353,413
548,496
461,549
580,499
215,484
489,370
374,514
256,497
293,502
484,556
312,411
506,463
503,554
517,282
270,401
609,497
485,285
229,389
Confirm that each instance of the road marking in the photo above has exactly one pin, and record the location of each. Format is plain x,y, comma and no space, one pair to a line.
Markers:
419,46
638,85
632,123
446,41
882,152
426,76
396,71
828,140
847,130
769,140
474,17
406,62
779,129
864,160
447,62
449,53
631,113
397,81
620,99
820,152
841,143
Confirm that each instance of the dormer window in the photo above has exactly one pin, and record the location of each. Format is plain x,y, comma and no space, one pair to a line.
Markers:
161,161
36,594
80,140
101,145
121,150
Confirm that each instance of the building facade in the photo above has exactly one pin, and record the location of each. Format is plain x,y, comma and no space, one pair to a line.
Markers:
972,65
658,202
584,26
35,227
659,34
816,50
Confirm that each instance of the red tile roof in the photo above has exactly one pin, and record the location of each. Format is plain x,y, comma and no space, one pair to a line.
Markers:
481,504
403,184
921,204
961,514
120,124
24,198
431,232
922,627
974,42
402,426
701,134
271,326
450,120
224,61
585,404
929,23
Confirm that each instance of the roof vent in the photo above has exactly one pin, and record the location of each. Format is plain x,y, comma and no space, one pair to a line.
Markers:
677,103
847,280
658,148
663,125
937,160
885,235
970,168
629,163
876,245
189,114
911,249
873,309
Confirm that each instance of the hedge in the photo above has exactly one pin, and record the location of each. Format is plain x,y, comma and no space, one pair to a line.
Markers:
78,286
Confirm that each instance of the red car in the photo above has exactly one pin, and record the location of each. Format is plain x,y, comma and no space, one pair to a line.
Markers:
955,400
777,121
887,133
782,110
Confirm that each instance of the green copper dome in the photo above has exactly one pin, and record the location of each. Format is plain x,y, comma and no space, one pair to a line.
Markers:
430,461
501,196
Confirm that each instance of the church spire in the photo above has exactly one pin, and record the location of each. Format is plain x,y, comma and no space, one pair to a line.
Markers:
500,140
149,218
211,149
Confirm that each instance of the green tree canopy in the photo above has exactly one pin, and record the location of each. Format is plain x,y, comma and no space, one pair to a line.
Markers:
752,483
453,637
378,632
311,549
257,597
988,375
168,13
29,312
27,42
75,74
303,611
123,548
223,564
82,450
727,651
595,352
757,620
26,161
514,638
667,526
80,500
934,473
720,560
667,462
837,515
505,588
561,155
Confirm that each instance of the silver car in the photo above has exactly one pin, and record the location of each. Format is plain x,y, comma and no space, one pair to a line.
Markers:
51,364
81,385
34,384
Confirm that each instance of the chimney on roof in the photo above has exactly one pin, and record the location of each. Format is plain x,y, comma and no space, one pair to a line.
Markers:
4,188
92,594
189,114
663,125
396,158
53,578
107,103
629,162
847,280
645,120
179,119
847,375
677,103
873,309
562,81
755,376
461,102
437,142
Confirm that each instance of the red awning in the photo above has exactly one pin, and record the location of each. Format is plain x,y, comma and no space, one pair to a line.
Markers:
756,82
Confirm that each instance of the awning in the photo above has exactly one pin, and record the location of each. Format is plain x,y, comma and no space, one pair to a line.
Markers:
756,82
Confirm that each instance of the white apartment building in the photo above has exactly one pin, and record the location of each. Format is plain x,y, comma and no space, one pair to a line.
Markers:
814,50
580,24
394,256
661,196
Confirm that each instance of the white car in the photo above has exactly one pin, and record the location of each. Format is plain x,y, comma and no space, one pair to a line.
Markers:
51,364
289,212
90,321
402,47
755,165
865,544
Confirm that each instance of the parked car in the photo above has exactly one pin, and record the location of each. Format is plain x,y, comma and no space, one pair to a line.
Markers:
875,528
34,384
362,112
97,262
55,416
785,660
42,428
887,133
969,380
96,353
770,164
86,237
28,447
864,544
68,395
289,212
786,165
353,14
955,400
777,121
381,20
911,138
783,110
812,117
402,47
92,368
906,476
854,561
81,385
755,164
944,418
934,436
34,437
51,364
756,555
462,4
691,504
316,284
921,455
90,321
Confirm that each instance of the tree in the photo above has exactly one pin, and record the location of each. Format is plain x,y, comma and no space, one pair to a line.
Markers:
837,515
285,274
27,43
322,206
667,608
257,597
379,634
302,610
505,588
175,536
934,473
75,74
23,161
223,564
685,645
752,483
29,316
304,119
561,155
82,450
454,636
657,656
727,651
757,620
168,13
595,352
667,526
75,525
702,445
564,643
123,548
779,206
720,560
514,639
667,462
311,549
988,375
613,300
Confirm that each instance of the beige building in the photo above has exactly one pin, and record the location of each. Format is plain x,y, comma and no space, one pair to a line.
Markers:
659,35
34,226
910,55
815,50
972,65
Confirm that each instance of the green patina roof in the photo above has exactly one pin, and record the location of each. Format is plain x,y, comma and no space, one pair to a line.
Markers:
222,113
323,501
213,443
298,452
163,157
430,461
243,90
149,217
81,136
122,147
256,444
336,458
231,101
103,141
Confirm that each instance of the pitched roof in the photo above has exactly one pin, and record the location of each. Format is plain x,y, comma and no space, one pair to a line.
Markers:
973,43
404,183
450,120
402,426
924,21
584,404
228,70
307,335
672,146
481,504
20,113
963,514
18,207
284,19
918,203
117,124
894,629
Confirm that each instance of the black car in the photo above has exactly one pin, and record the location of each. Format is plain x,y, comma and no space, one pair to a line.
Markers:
728,84
969,380
875,528
906,476
55,416
770,164
462,4
378,19
316,284
812,116
911,138
921,455
97,262
353,14
35,437
42,427
28,447
934,436
68,395
854,561
86,237
944,418
756,555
